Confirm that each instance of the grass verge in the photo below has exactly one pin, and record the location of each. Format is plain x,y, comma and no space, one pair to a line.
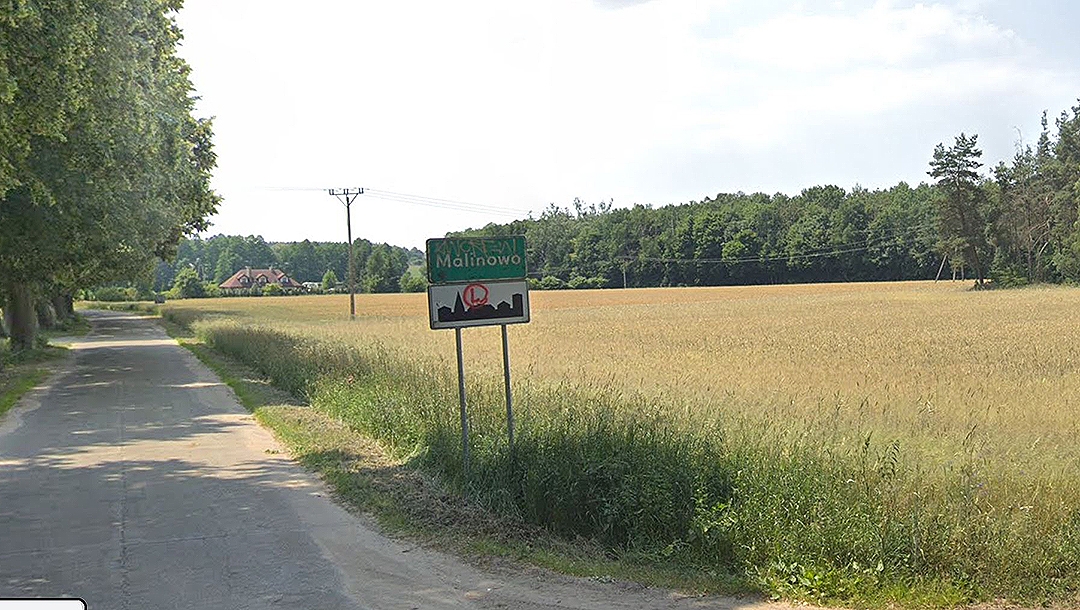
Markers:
367,478
20,372
75,327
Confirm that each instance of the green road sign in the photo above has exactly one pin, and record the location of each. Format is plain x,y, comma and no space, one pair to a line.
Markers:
475,258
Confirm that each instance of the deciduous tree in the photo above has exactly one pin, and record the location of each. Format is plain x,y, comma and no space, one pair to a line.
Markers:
102,166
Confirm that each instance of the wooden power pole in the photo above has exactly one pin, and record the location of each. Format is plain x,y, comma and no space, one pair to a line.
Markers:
347,196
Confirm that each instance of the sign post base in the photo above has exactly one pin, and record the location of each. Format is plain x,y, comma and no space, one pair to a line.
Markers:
461,399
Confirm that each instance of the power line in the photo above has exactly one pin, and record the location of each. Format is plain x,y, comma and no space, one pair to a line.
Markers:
506,212
421,200
832,250
755,259
439,201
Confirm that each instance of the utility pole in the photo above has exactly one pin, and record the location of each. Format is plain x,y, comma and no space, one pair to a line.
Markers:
347,196
943,259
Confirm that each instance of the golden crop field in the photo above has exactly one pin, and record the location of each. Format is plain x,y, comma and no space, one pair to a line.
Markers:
932,363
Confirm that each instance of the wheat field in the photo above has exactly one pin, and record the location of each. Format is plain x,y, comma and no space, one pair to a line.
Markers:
920,360
814,429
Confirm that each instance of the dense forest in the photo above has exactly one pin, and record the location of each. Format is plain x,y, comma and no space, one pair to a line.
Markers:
1015,224
823,234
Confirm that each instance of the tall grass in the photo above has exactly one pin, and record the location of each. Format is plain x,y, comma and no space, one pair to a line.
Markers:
818,507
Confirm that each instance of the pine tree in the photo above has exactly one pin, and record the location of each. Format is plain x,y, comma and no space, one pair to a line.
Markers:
960,220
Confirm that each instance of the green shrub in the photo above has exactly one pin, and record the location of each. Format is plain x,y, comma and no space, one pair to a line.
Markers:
413,281
113,294
578,282
187,285
550,282
329,280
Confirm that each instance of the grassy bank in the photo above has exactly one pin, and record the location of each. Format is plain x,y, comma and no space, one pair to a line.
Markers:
816,508
20,372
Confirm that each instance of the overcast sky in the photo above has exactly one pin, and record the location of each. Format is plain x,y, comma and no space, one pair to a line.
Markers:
513,105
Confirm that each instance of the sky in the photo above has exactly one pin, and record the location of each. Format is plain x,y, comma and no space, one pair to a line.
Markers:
455,114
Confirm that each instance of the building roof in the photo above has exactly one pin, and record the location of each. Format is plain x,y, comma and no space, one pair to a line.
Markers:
248,277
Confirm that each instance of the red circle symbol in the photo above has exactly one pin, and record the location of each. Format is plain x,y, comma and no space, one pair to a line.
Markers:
475,295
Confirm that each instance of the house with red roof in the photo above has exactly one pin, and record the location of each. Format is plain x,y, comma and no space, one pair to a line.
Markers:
248,278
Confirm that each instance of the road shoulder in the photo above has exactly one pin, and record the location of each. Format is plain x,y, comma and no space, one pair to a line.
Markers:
405,503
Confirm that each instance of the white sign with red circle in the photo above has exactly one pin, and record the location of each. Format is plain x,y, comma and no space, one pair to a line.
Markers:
478,304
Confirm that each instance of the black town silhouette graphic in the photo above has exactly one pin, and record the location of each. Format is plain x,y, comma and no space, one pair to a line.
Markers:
460,313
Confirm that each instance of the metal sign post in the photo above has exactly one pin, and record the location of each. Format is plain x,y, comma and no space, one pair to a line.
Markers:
478,282
509,396
461,400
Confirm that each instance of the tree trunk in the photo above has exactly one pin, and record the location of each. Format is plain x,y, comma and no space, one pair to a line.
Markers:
22,317
64,305
978,267
3,329
46,315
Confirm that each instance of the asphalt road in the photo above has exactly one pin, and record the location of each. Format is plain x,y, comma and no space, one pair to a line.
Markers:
134,479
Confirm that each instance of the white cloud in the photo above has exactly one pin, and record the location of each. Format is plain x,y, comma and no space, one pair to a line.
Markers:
518,104
882,35
797,70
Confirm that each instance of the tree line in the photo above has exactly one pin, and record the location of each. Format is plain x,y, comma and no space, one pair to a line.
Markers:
103,167
379,267
1019,223
1015,224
